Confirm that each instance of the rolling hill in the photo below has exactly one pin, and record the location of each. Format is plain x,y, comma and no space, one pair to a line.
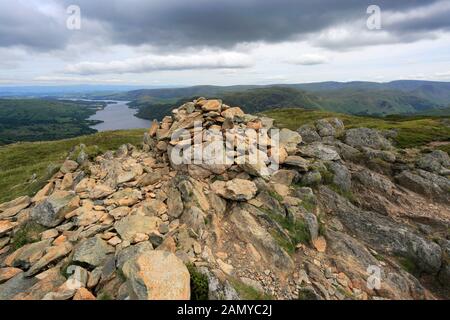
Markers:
39,119
327,96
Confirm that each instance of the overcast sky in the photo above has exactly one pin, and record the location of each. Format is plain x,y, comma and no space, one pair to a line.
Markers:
223,42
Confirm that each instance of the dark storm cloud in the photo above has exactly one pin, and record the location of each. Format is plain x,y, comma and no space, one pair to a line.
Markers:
224,23
22,23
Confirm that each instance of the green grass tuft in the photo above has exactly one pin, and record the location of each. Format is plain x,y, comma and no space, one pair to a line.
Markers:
408,265
247,292
28,233
275,195
297,231
346,194
104,296
199,284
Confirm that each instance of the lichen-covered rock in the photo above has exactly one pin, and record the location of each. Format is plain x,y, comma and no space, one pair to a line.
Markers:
341,175
319,151
426,183
289,140
248,229
27,255
365,137
157,275
236,189
324,128
52,210
92,252
309,133
131,225
174,203
11,208
383,233
436,161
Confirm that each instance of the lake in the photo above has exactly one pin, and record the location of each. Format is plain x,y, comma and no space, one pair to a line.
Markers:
117,116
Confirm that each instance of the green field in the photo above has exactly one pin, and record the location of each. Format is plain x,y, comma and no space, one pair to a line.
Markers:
412,131
19,161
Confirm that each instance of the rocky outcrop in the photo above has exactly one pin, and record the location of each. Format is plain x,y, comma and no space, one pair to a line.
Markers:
157,275
426,183
365,137
310,216
383,233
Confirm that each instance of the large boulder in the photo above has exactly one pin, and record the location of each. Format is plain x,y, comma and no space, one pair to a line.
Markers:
236,189
426,183
52,210
93,252
69,166
157,275
325,129
232,112
437,162
27,255
341,175
212,105
354,259
52,254
365,137
16,285
297,162
286,177
174,203
11,208
319,151
131,225
194,218
131,252
309,133
6,226
289,140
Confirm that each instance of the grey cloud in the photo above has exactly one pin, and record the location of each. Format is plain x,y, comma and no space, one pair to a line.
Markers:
174,23
151,63
23,23
202,23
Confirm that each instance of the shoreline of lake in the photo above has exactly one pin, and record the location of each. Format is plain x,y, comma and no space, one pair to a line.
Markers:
117,115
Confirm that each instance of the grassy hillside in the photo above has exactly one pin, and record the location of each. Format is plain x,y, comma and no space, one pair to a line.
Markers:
261,99
358,97
251,101
361,101
412,131
39,119
19,161
374,102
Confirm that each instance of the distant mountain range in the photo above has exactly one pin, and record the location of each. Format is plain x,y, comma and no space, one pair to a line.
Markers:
63,91
361,98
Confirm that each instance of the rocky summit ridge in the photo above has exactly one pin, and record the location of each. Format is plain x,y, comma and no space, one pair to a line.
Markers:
344,214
